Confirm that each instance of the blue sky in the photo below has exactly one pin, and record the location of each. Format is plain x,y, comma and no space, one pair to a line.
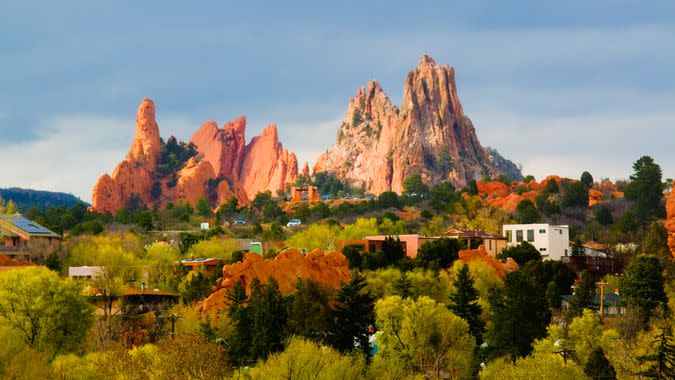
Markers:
558,88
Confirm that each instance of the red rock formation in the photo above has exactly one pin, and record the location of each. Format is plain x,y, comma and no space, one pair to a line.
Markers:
670,220
135,174
305,170
242,170
328,269
469,255
378,146
267,166
223,148
492,189
594,196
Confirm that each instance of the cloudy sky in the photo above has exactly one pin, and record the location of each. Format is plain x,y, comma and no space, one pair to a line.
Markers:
557,88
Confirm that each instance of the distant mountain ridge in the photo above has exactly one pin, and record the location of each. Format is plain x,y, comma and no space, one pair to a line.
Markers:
25,199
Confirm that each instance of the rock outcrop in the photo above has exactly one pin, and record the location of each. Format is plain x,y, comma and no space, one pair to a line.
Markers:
378,145
223,166
670,220
135,174
479,254
327,269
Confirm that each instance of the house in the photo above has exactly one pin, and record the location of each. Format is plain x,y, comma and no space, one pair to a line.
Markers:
552,241
16,232
593,261
209,264
84,272
411,243
612,304
493,244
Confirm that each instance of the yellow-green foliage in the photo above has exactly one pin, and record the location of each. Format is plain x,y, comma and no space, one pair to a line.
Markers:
533,367
435,227
120,253
360,228
485,278
425,335
49,313
584,334
161,258
214,248
304,359
389,227
470,213
17,360
382,282
322,236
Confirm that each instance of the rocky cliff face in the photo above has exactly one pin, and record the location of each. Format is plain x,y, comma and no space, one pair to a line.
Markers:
378,145
224,166
670,220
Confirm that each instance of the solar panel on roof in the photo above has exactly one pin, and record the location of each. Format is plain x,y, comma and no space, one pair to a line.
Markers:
29,226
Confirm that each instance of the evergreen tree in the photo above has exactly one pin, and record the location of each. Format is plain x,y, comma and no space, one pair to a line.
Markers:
576,195
392,250
604,216
584,292
598,367
308,313
643,285
240,340
438,253
552,187
587,179
267,309
464,303
553,295
663,361
520,315
352,316
521,253
403,286
646,188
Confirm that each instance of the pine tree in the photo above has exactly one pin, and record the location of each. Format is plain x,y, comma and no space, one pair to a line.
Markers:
464,303
240,341
663,362
520,315
643,285
598,367
584,293
403,286
352,316
268,312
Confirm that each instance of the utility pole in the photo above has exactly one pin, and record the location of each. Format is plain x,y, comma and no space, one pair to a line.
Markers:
602,284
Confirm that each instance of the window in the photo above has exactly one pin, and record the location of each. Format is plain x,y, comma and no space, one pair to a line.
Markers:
530,235
490,244
519,236
509,235
542,249
559,232
542,231
565,251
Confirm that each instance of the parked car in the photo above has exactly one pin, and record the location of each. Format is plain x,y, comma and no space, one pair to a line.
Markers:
293,223
239,221
325,197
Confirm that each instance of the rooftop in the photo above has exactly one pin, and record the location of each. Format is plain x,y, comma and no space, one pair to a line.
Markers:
471,234
19,225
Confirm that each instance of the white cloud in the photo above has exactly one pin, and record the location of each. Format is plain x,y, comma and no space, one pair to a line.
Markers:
69,153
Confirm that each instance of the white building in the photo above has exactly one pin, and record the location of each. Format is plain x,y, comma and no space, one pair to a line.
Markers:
553,242
84,272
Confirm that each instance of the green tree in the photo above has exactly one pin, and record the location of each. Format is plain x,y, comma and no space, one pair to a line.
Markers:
598,367
527,212
239,342
604,216
308,312
576,195
587,179
464,303
7,207
194,287
204,207
584,292
392,250
267,309
352,316
662,363
552,186
520,315
144,219
643,286
389,199
646,188
438,253
425,335
414,184
521,253
48,312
